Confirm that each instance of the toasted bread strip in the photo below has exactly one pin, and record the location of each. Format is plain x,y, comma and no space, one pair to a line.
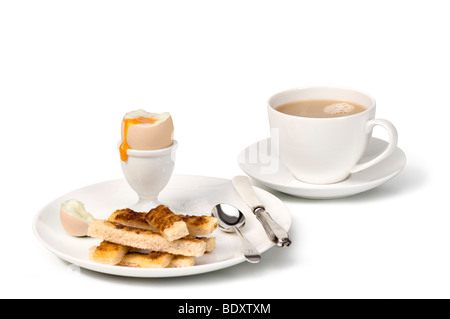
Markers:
179,261
156,260
108,253
144,239
197,225
210,243
200,225
134,257
130,218
152,260
166,222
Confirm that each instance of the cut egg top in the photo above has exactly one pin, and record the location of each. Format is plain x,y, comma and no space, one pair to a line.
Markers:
75,219
142,130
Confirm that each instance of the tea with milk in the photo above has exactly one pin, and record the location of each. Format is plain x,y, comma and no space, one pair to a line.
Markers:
320,108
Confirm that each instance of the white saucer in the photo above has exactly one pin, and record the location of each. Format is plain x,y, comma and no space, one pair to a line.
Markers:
260,162
185,194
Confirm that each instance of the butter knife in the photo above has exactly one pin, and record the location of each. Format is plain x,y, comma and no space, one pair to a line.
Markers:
274,231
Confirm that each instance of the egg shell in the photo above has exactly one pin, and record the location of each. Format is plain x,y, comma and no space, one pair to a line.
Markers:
73,225
150,137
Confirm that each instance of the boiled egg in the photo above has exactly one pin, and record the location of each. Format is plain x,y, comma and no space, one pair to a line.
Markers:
142,130
74,217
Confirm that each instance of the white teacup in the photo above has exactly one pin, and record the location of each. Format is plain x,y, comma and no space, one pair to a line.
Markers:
326,150
148,172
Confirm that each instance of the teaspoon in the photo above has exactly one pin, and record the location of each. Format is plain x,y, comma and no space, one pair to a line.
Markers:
231,219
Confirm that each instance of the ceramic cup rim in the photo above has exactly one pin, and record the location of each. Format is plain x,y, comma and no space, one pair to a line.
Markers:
271,107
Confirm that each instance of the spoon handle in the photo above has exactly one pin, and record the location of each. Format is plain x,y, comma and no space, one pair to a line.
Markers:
250,251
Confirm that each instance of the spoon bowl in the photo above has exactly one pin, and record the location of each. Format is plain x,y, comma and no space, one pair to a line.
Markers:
228,217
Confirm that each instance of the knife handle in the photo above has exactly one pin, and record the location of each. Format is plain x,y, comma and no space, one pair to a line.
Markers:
275,232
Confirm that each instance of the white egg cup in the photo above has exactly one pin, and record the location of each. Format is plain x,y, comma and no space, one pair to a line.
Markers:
148,172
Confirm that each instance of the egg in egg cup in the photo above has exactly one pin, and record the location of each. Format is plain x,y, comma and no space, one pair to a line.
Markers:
147,153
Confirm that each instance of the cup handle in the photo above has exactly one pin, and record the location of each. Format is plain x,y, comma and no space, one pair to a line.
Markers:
393,139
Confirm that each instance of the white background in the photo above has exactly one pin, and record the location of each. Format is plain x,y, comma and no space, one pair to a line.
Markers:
70,70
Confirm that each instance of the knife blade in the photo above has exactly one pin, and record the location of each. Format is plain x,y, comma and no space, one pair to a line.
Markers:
274,231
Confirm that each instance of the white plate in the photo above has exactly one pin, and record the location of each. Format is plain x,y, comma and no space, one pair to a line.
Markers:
261,163
185,194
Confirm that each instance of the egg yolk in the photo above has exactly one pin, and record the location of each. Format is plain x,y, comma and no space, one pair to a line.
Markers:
127,122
